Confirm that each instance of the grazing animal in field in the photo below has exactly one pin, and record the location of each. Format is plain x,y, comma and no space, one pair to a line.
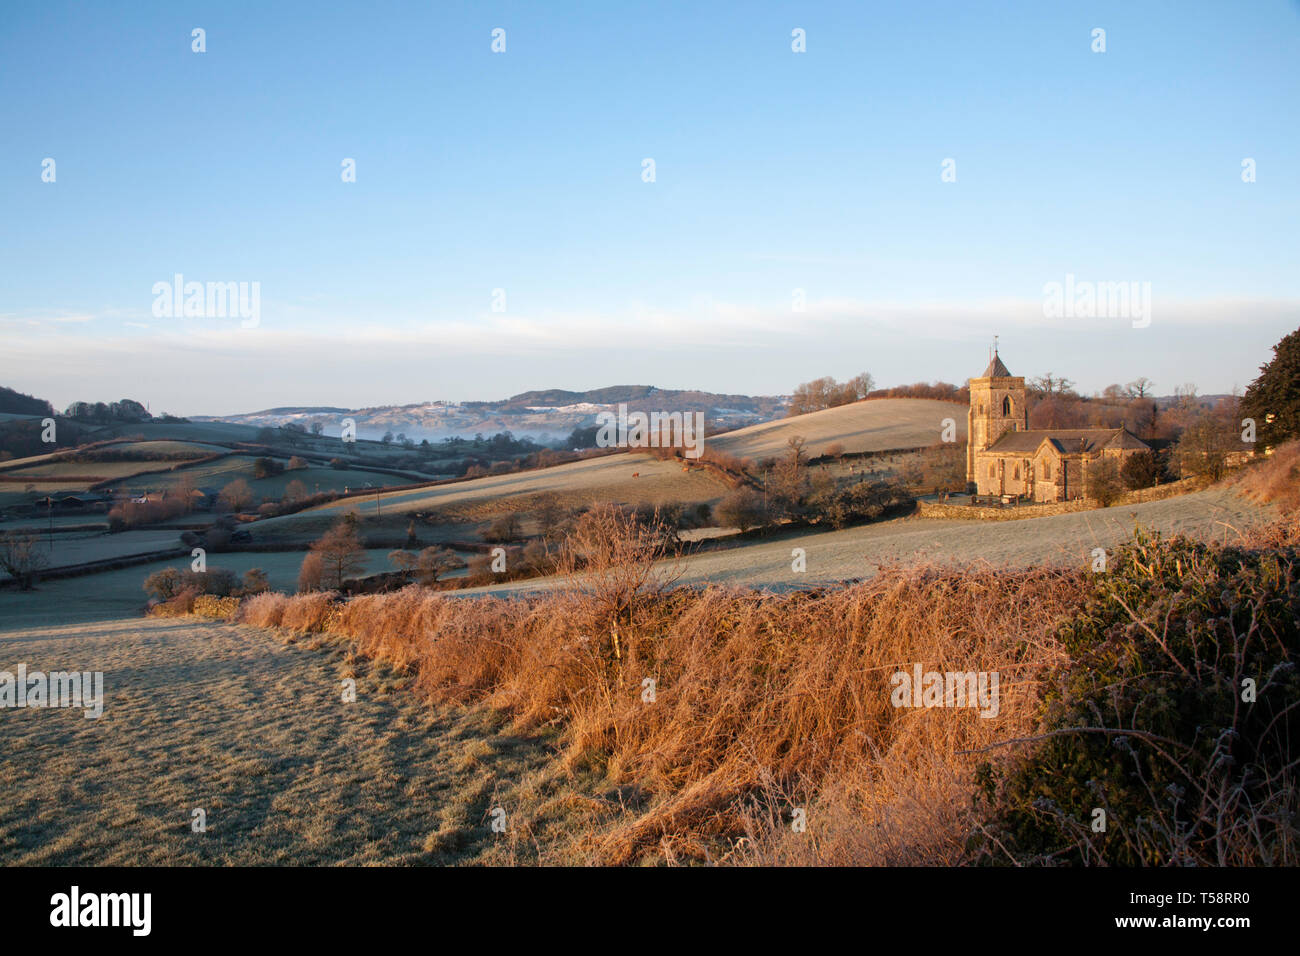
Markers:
636,474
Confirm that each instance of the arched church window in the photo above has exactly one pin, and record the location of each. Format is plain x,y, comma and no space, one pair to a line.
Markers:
1016,474
1006,405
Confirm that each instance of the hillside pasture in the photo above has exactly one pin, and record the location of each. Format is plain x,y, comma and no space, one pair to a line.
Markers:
166,447
56,472
215,432
1218,514
72,548
633,479
218,474
874,425
76,475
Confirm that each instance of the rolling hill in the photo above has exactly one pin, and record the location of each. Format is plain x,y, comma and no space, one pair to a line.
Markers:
873,425
545,415
637,478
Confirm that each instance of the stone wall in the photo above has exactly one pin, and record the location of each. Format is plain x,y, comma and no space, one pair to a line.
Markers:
937,509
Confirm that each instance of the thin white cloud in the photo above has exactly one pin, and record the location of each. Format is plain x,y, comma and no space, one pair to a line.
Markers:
215,367
704,323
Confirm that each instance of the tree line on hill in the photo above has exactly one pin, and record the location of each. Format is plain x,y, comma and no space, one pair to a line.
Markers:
825,392
23,438
17,403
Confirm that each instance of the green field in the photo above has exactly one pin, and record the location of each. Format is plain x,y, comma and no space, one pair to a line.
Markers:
163,447
118,593
218,474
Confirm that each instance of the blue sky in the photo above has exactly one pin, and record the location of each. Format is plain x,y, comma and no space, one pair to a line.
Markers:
522,170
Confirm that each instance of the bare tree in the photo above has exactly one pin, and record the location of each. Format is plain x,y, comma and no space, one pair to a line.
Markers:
237,495
741,508
404,561
796,445
1140,387
549,513
862,385
610,559
504,528
341,553
1103,481
309,575
21,556
185,489
433,562
1050,384
1204,446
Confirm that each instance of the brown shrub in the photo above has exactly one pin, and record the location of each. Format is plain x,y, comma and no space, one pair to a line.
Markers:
133,514
1275,479
310,573
732,465
309,613
263,610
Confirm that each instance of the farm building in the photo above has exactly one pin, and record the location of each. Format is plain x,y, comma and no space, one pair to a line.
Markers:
67,504
1005,457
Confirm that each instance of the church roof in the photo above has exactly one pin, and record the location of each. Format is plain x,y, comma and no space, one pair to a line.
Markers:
1067,441
996,369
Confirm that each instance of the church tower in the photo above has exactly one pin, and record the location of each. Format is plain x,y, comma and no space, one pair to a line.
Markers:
997,405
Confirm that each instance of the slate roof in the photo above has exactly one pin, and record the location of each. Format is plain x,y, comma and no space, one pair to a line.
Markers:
996,369
1067,441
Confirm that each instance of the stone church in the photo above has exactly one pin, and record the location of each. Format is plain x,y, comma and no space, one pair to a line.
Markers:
1004,456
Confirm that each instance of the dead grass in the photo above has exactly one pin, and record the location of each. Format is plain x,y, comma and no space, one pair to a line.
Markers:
1276,479
710,716
761,703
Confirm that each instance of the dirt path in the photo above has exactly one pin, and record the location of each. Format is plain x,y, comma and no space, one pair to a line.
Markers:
227,719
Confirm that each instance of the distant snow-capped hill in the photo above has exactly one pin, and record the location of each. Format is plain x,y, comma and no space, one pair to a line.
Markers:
548,415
